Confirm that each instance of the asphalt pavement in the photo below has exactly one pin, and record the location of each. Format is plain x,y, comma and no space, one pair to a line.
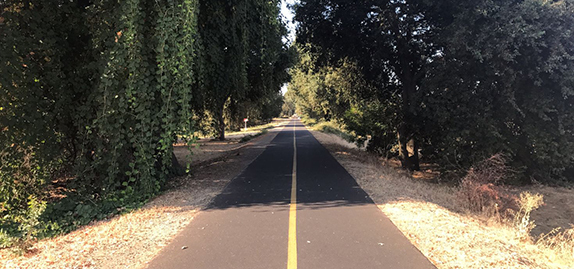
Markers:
293,203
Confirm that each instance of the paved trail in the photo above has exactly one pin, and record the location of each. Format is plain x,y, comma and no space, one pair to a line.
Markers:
295,206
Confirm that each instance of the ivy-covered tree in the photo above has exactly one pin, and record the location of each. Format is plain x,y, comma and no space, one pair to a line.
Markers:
93,96
245,59
224,35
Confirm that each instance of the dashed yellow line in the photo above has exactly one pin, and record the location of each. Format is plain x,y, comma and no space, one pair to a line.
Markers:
292,245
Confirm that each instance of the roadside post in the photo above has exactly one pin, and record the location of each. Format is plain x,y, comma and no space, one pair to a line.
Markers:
245,120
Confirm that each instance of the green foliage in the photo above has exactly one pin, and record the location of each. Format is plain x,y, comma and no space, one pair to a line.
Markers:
333,128
458,81
323,93
245,62
510,91
388,43
93,95
289,104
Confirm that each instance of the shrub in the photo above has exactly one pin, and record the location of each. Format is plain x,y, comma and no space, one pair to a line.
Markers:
527,203
332,128
309,121
480,190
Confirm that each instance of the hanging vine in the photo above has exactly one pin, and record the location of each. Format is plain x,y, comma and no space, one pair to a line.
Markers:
137,61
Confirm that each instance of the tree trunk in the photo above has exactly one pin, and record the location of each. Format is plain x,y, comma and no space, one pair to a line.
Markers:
415,162
407,130
403,150
176,168
221,122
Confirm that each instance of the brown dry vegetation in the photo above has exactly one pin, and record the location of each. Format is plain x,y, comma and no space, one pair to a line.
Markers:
133,239
434,218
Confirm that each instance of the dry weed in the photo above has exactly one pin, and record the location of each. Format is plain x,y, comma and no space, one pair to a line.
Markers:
333,140
124,241
558,243
528,202
480,190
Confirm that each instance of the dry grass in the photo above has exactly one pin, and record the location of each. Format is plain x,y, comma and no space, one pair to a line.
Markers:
435,221
332,139
133,239
125,241
558,210
206,150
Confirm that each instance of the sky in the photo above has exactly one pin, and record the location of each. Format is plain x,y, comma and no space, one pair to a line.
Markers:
288,18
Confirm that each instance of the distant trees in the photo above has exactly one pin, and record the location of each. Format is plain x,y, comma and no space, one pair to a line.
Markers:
93,95
244,59
455,80
389,42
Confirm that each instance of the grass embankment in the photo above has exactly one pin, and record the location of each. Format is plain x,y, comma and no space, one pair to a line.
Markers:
251,130
259,128
328,127
251,136
437,220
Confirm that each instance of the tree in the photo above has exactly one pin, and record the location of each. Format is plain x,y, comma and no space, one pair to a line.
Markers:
242,41
390,43
510,90
224,34
458,80
93,96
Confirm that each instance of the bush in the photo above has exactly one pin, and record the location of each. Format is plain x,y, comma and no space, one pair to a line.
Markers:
527,203
332,128
309,121
480,191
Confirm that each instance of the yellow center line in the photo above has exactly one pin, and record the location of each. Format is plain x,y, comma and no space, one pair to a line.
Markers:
292,245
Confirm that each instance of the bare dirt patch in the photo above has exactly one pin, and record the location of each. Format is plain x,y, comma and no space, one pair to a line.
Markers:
429,216
133,239
207,149
557,211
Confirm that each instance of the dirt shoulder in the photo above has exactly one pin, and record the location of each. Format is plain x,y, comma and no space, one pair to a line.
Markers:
428,215
133,239
207,149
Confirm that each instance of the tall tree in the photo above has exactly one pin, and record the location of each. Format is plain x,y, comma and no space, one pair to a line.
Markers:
459,80
388,40
245,59
224,33
93,94
504,84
